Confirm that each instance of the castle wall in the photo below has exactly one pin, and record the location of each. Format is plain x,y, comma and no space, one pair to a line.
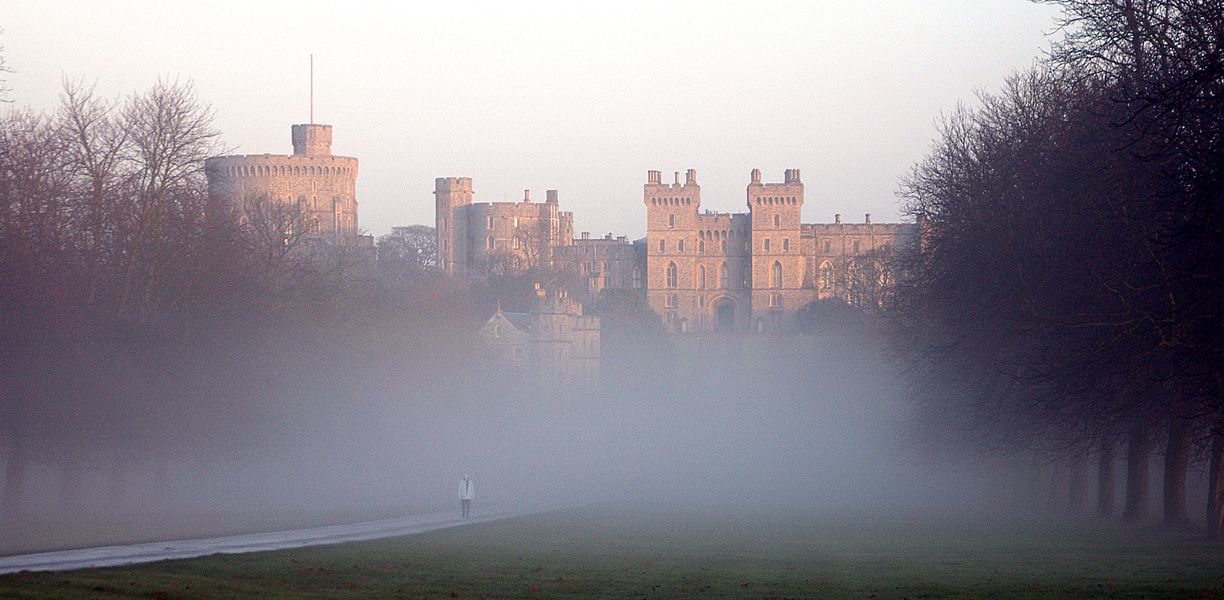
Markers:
323,187
700,271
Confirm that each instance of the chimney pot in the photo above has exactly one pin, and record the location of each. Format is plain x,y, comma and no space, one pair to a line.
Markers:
868,218
837,219
526,195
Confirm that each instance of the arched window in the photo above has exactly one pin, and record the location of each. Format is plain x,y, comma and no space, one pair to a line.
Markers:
701,277
724,246
826,276
701,245
637,278
671,220
662,245
724,276
680,246
497,331
672,275
786,245
777,221
775,276
490,242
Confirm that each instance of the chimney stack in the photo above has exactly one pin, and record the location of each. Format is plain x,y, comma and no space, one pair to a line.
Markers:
869,218
526,195
837,219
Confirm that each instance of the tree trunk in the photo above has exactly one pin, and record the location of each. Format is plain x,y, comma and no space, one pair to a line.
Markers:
1177,458
14,483
1138,447
1077,485
1215,487
1105,478
72,490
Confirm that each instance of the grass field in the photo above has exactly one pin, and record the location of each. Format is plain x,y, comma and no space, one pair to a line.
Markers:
666,552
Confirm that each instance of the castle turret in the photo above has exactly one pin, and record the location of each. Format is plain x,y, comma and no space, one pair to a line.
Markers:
452,194
312,140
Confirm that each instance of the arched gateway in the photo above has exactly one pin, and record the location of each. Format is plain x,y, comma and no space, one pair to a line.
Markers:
724,315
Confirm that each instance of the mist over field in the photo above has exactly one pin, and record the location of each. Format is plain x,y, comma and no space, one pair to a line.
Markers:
181,360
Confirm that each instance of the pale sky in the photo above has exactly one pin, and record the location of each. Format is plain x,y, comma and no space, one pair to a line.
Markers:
579,97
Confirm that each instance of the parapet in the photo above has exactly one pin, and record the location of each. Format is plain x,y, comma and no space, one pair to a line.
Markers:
453,184
312,140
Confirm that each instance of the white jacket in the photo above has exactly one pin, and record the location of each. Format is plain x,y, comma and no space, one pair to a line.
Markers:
467,490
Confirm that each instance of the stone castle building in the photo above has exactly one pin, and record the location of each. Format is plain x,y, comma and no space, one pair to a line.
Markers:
554,347
319,187
701,271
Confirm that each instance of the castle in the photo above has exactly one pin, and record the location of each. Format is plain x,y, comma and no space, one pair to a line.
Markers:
310,190
553,347
701,271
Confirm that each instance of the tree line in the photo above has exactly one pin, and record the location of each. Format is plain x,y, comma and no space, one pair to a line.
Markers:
1067,293
143,325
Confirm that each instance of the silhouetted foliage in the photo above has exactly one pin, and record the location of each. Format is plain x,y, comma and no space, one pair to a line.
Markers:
1066,290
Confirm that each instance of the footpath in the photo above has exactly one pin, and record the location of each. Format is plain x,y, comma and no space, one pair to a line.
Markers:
114,556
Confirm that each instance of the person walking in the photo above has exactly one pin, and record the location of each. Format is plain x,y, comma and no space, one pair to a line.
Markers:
466,493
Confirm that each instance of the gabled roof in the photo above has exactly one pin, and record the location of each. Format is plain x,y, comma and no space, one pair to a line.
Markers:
521,321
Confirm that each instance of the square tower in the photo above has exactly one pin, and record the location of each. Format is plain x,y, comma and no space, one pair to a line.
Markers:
777,260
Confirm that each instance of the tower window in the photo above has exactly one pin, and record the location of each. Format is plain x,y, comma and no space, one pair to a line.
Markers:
777,221
680,246
786,245
724,246
671,220
856,246
724,276
776,275
767,245
662,246
490,222
701,278
672,275
701,245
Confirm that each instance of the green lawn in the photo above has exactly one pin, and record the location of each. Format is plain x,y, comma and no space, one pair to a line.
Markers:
665,552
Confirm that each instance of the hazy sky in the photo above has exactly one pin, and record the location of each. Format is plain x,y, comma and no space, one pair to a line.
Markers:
579,97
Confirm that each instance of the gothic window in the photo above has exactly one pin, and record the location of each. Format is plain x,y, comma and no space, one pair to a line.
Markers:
662,246
490,222
775,277
775,300
777,221
672,275
671,220
701,245
672,301
724,246
826,276
490,242
637,278
724,276
826,246
497,331
786,245
701,277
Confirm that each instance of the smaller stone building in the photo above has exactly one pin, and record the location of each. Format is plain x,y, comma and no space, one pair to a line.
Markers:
554,348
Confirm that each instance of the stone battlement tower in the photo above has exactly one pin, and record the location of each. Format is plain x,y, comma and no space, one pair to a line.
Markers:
319,187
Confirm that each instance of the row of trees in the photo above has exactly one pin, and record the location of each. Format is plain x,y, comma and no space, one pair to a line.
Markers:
142,325
1067,290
